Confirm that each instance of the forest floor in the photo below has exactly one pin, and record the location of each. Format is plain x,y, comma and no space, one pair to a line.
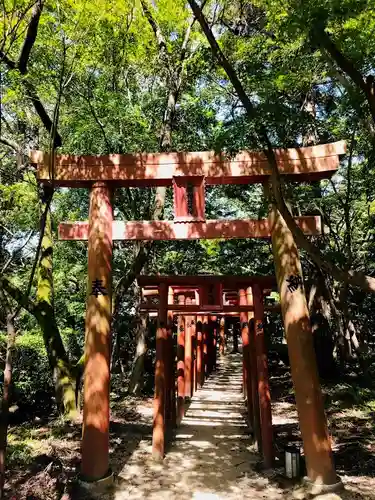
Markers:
211,456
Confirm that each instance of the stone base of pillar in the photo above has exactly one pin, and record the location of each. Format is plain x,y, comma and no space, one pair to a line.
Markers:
317,488
99,486
157,456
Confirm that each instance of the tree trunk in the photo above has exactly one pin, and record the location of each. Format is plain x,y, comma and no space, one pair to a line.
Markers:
136,379
4,417
320,325
63,373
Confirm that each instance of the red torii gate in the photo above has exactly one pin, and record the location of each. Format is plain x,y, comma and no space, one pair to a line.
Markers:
204,303
188,173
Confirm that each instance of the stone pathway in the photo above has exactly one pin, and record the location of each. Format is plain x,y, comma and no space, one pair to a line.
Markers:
211,456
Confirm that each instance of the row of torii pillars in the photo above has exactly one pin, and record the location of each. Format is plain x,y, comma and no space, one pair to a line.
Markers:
183,366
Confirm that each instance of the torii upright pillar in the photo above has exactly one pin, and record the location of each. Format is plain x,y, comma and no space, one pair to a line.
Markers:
312,419
205,347
254,373
95,433
161,377
265,412
188,352
181,329
222,336
246,372
200,362
170,400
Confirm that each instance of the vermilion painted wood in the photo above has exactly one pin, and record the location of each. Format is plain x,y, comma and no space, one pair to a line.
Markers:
169,385
199,199
222,336
211,343
254,386
263,382
200,372
246,377
194,384
194,281
205,347
215,331
312,419
161,364
188,352
95,435
181,186
310,163
169,230
253,371
209,347
180,363
180,198
226,310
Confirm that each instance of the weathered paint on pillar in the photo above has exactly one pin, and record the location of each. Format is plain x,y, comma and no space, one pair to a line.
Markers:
95,436
211,343
194,384
205,347
263,382
180,362
188,352
161,366
246,358
200,369
172,362
312,419
222,336
209,346
168,367
254,375
215,328
194,348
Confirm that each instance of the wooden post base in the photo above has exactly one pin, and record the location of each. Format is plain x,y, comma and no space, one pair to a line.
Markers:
99,486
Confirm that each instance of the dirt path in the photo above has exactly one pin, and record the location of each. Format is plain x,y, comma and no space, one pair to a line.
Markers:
211,456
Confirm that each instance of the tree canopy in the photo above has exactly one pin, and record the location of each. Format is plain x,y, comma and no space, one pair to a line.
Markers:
113,77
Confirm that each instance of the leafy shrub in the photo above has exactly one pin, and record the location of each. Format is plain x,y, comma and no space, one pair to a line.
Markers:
32,380
32,376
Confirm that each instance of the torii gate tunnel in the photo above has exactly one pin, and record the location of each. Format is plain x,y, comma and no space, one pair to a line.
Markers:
202,303
188,173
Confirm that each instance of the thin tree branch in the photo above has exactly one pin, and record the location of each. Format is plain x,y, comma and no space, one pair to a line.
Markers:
337,194
353,278
4,58
30,38
21,298
11,144
21,66
185,43
321,37
157,31
41,111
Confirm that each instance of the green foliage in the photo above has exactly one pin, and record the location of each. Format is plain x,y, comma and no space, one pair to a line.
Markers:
32,379
115,86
